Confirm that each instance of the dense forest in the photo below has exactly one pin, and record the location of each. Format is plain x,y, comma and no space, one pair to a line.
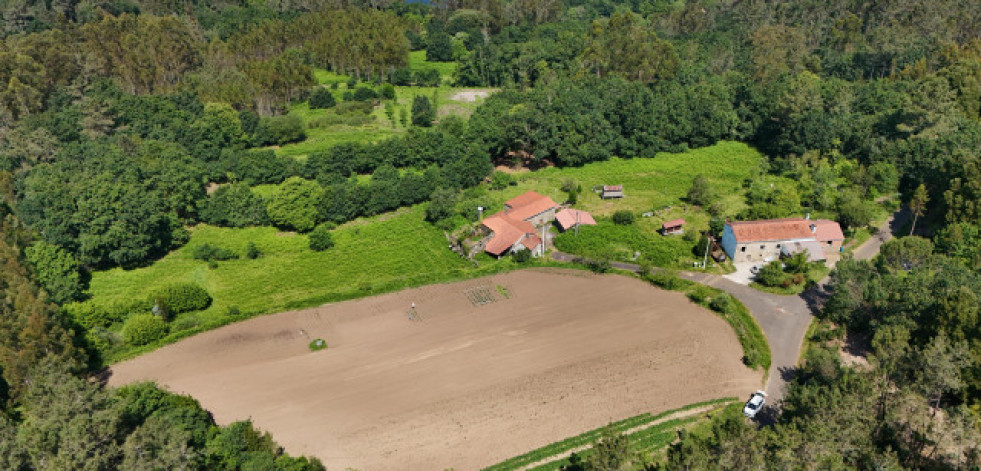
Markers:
124,123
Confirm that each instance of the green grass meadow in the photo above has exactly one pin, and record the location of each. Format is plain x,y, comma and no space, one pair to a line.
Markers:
378,127
381,254
656,185
650,183
399,249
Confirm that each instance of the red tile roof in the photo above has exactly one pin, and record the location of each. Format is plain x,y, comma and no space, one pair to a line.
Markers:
531,242
507,232
612,187
528,205
568,218
673,223
826,230
772,229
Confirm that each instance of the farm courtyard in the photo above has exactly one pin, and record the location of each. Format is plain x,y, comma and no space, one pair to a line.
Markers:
488,369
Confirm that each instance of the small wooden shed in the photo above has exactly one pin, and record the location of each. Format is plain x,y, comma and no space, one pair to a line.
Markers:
612,191
674,226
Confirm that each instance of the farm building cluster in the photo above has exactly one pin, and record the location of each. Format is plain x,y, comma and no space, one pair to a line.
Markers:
767,240
525,220
524,224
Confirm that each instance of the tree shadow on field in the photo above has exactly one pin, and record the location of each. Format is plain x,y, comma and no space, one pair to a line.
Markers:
815,297
787,373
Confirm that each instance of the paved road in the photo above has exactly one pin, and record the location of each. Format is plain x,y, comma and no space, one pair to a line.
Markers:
784,319
871,247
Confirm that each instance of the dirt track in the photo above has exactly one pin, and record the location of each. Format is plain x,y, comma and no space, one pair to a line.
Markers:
467,385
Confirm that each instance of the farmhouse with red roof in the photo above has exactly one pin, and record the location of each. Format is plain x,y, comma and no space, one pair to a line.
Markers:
767,240
515,228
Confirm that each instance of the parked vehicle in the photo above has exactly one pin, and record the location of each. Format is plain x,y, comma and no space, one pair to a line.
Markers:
754,404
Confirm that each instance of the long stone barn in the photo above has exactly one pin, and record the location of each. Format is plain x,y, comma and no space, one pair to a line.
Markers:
768,240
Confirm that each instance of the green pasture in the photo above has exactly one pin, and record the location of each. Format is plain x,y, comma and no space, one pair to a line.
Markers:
656,184
371,256
377,126
417,62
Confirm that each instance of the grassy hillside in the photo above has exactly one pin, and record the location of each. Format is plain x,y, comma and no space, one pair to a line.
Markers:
371,256
656,185
399,249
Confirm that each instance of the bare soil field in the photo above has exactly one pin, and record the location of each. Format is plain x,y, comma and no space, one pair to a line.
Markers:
489,368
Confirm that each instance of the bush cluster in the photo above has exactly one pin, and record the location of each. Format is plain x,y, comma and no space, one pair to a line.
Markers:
623,217
322,98
92,315
668,281
208,253
320,238
141,329
180,297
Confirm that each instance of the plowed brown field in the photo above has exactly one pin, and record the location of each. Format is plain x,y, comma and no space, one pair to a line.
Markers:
465,384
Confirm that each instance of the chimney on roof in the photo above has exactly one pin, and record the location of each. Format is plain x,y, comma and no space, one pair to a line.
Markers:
814,229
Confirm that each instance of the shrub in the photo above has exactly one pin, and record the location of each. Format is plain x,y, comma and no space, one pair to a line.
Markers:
364,94
234,206
92,315
401,77
57,270
256,166
279,130
318,344
295,204
428,78
99,339
252,252
721,303
599,266
668,281
623,217
180,297
700,193
386,91
500,180
423,112
322,98
700,294
771,274
441,204
141,329
522,256
320,238
208,253
573,197
439,47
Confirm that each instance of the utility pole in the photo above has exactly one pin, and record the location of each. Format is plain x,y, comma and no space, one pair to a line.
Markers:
708,243
577,223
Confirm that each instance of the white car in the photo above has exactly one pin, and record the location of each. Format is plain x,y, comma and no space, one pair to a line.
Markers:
754,404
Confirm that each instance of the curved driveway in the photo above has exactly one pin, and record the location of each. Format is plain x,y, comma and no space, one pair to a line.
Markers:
784,319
